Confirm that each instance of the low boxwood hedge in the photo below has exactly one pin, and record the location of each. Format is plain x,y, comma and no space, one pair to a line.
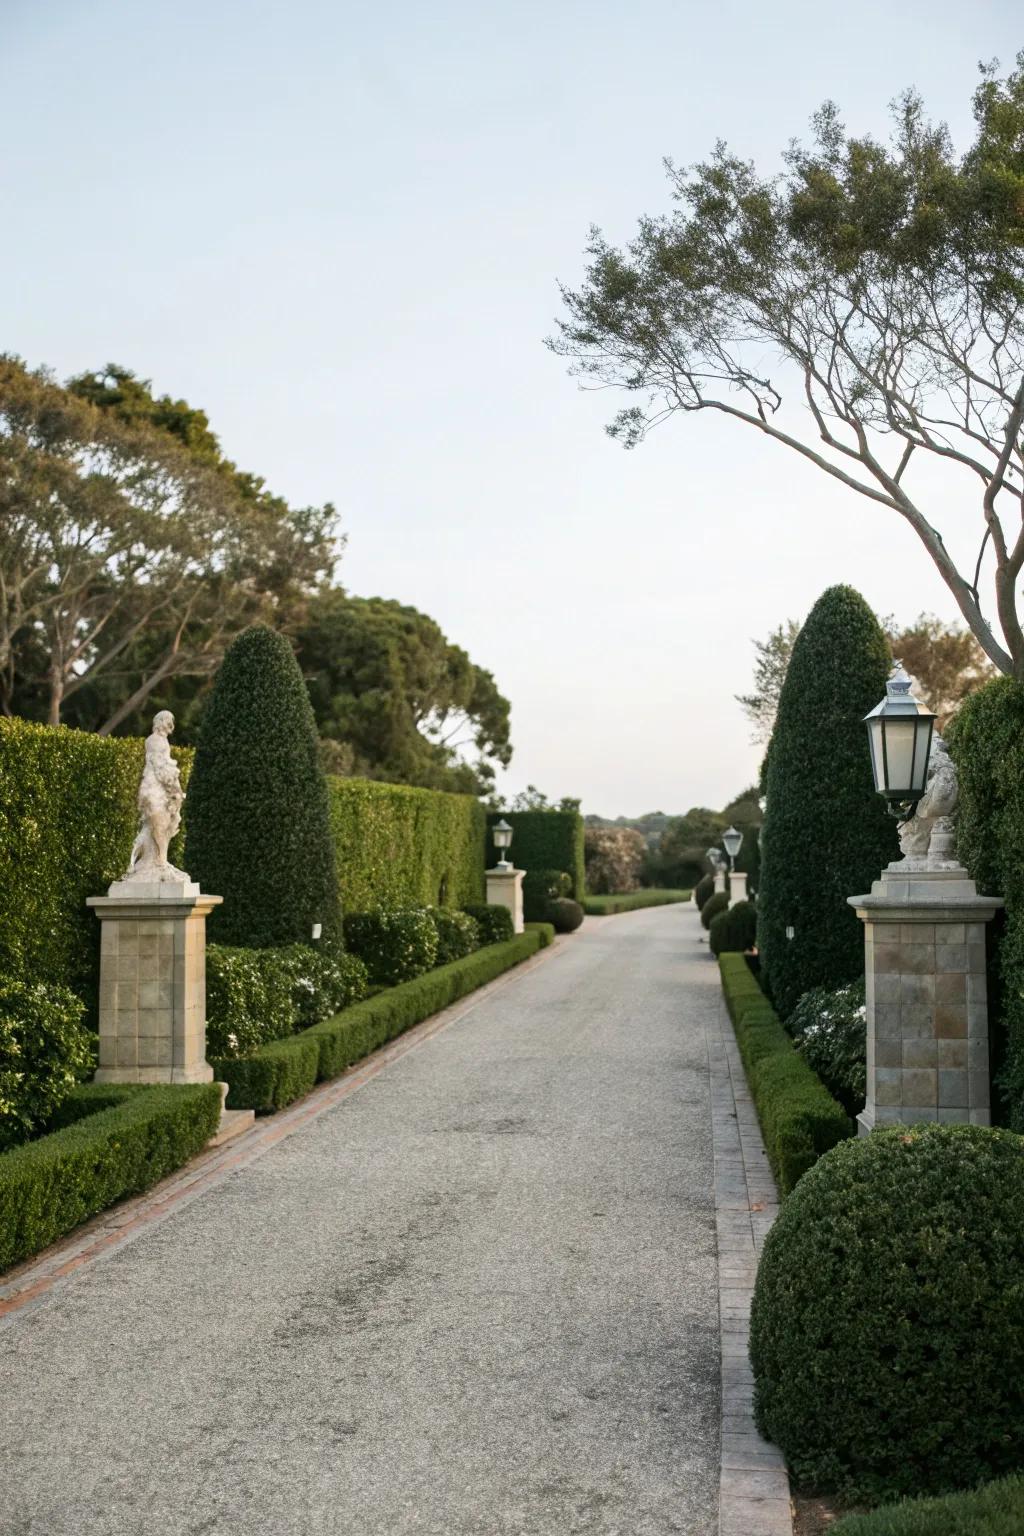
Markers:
113,1141
611,906
284,1070
799,1117
997,1509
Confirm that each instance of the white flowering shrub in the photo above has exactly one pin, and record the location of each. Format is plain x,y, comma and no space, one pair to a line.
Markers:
458,934
395,943
830,1031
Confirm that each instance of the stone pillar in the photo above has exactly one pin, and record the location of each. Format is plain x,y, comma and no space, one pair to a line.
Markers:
153,982
505,889
719,881
737,887
927,1006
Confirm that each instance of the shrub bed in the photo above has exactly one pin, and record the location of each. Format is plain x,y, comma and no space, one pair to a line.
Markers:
715,904
800,1120
285,1069
394,944
44,1049
458,934
995,1510
831,1034
886,1334
136,1138
494,922
734,929
611,906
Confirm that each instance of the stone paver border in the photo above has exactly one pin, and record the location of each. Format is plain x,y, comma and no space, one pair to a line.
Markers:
754,1485
28,1285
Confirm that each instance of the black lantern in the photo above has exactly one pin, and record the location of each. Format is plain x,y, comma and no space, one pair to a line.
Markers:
502,834
900,734
733,841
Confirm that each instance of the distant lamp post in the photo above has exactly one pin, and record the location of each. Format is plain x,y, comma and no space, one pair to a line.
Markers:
733,841
502,834
900,734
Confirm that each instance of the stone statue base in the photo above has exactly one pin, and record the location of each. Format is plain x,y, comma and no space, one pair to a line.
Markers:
505,889
927,1005
153,981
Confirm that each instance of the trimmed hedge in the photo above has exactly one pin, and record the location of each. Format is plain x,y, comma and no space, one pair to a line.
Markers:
995,1510
134,1137
704,890
734,929
826,835
544,840
284,1070
986,741
68,818
258,825
403,847
885,1331
800,1120
564,914
611,906
715,904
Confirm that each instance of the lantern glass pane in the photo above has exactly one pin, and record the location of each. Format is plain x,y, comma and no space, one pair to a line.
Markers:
922,746
875,742
900,741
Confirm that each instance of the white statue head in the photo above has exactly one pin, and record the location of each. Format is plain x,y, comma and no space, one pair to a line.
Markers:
163,723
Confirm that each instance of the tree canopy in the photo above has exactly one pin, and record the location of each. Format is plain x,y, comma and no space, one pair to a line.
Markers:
402,701
864,308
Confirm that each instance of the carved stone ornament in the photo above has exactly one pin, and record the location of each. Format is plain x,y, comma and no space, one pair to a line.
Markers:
927,838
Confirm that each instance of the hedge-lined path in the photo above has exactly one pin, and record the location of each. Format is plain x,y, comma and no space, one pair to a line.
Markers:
478,1295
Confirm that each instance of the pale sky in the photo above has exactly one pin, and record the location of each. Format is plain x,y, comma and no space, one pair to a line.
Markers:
338,229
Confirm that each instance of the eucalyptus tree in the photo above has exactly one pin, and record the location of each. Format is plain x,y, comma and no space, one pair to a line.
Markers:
864,308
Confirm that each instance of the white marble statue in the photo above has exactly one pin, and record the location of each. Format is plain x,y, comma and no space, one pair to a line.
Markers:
926,838
160,800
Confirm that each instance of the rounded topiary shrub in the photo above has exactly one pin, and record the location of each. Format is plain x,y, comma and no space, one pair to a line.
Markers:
257,825
826,832
704,890
394,944
715,904
540,886
887,1331
458,934
734,929
493,921
45,1049
564,914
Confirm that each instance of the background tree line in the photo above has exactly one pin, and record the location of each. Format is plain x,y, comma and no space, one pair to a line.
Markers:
133,551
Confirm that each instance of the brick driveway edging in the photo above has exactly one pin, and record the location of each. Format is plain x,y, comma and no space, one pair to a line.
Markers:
754,1484
27,1285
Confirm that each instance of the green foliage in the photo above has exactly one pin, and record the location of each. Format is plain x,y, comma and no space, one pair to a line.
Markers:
385,682
254,996
275,1075
733,929
394,944
545,933
704,890
457,934
886,1335
545,839
44,1050
324,979
399,846
826,835
830,1031
609,906
68,818
997,1509
494,922
716,903
258,825
51,1185
987,743
799,1118
540,888
564,914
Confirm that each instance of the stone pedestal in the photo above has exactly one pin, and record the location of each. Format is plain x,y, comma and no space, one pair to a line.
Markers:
153,982
720,881
737,887
927,1006
505,889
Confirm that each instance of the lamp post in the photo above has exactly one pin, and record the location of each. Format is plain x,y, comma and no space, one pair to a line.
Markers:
502,834
900,736
733,840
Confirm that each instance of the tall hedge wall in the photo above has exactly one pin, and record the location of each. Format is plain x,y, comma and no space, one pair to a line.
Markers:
986,742
544,840
826,832
395,844
68,818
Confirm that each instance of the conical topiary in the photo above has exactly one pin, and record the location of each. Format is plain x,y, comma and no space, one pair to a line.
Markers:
826,834
257,820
